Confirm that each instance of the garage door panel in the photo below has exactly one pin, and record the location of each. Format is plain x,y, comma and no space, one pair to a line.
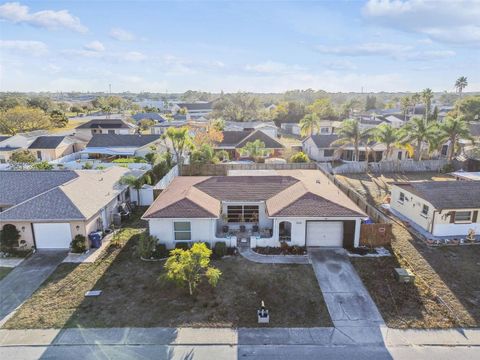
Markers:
52,235
325,233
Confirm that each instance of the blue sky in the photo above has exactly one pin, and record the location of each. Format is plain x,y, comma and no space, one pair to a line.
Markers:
263,46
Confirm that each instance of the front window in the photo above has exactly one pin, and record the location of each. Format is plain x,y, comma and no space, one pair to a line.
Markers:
324,130
401,198
182,230
328,152
425,210
463,216
242,213
399,155
112,132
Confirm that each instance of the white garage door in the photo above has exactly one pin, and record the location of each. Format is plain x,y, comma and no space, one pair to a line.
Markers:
325,233
52,235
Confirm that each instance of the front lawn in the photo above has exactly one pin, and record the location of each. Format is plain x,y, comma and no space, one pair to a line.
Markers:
134,295
4,271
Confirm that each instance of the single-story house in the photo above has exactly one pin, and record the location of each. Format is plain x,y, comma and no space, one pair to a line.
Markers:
10,144
443,208
299,207
50,208
268,127
326,127
233,141
321,148
159,129
48,148
149,116
194,110
466,175
122,145
104,126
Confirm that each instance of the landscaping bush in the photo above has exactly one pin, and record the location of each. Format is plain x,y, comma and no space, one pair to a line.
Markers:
78,244
135,159
448,168
146,245
9,236
182,245
160,251
207,244
87,166
299,157
220,249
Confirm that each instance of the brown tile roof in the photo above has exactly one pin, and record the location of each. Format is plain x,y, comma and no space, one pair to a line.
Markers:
299,193
245,188
446,194
182,200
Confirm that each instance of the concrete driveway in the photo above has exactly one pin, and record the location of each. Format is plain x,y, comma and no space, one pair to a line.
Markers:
22,281
348,302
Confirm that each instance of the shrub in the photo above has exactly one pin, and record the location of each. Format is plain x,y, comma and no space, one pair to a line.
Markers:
78,244
220,249
43,165
448,168
87,166
146,245
182,245
135,159
207,244
299,157
160,251
9,236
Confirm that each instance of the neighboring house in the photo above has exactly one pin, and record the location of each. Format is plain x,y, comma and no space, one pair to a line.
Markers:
107,145
50,208
300,208
233,141
395,121
48,148
319,148
159,129
9,144
291,128
194,110
466,175
268,127
104,126
327,127
442,208
149,116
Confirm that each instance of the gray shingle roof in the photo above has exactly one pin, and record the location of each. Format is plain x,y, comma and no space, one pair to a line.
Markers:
46,142
18,186
196,106
475,129
232,138
149,115
446,194
4,137
51,205
114,140
324,141
104,124
238,139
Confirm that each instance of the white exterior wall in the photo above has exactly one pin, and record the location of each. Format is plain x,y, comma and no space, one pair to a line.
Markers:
201,230
412,207
314,153
443,227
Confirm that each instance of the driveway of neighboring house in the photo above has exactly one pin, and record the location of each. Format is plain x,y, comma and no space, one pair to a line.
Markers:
348,302
22,281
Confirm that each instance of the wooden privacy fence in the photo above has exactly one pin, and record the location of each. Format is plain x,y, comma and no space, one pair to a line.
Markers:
222,169
375,235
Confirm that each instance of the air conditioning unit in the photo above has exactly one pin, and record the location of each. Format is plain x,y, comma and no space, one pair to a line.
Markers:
403,275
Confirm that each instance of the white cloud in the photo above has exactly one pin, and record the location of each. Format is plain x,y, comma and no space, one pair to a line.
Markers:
341,65
121,34
394,51
94,46
35,48
134,56
455,22
272,67
48,19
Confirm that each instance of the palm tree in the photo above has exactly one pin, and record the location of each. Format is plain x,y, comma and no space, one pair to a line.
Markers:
415,100
254,149
454,129
418,132
427,96
461,84
350,133
405,103
134,182
309,124
386,134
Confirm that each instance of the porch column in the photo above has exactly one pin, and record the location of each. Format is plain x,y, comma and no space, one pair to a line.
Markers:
356,239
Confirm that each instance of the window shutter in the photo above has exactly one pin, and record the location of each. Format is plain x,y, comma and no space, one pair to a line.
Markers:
475,216
452,217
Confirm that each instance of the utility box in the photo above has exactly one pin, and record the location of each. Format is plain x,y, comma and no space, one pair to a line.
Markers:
404,275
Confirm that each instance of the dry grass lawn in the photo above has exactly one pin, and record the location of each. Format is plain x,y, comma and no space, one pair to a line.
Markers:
4,271
135,295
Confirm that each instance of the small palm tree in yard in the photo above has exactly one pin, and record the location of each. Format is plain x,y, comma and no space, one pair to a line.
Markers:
386,134
309,124
427,96
460,84
350,133
417,132
189,267
134,182
454,129
254,149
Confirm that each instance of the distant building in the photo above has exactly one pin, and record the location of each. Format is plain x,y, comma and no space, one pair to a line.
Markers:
104,126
